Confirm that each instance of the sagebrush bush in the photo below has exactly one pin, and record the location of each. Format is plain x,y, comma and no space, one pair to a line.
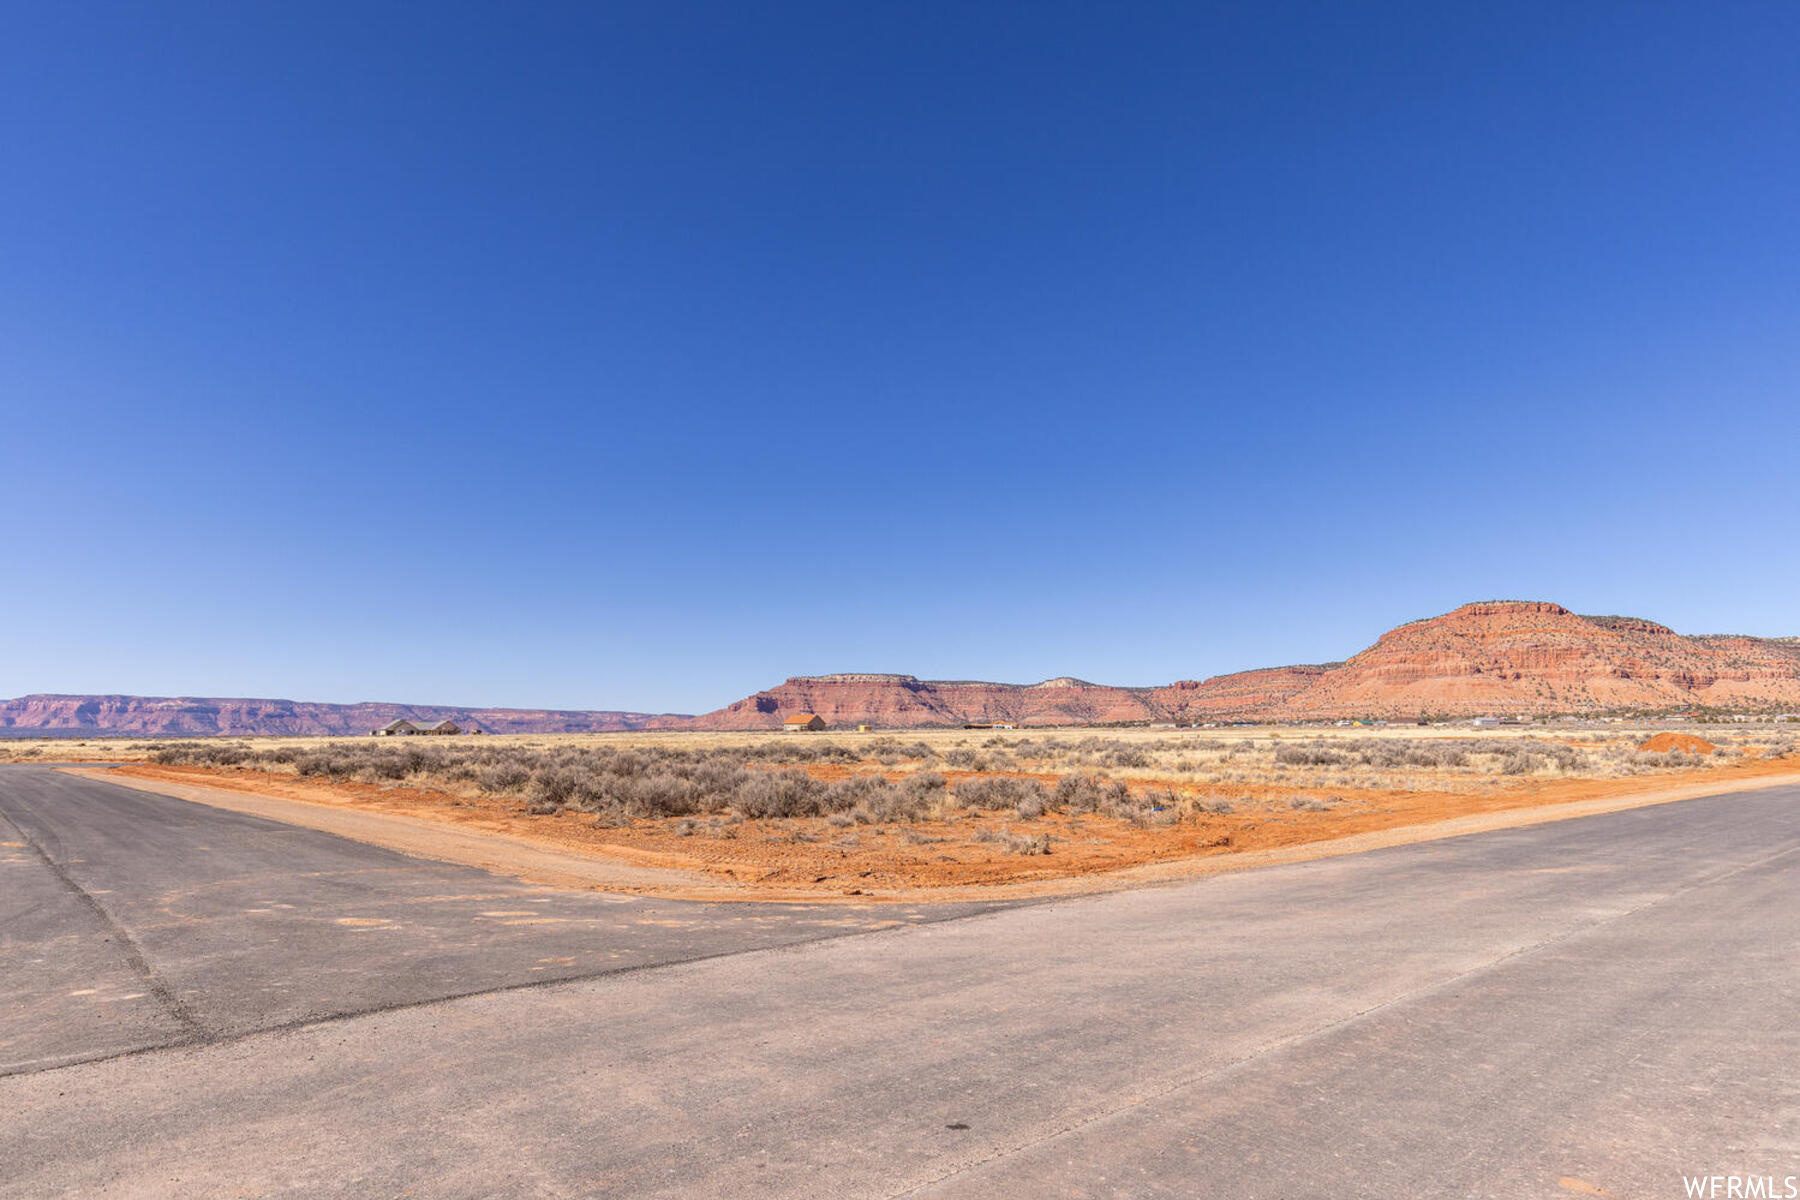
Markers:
999,791
503,777
1311,755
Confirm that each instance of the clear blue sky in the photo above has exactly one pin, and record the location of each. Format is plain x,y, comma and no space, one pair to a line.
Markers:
639,356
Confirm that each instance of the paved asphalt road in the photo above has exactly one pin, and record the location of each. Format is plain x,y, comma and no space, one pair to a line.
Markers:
130,920
1591,1007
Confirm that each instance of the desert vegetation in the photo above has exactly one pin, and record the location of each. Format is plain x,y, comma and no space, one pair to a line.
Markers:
849,812
879,781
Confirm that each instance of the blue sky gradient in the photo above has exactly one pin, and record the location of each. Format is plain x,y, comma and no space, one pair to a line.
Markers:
638,356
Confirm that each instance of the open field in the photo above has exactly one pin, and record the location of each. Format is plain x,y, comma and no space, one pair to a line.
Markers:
197,1002
877,814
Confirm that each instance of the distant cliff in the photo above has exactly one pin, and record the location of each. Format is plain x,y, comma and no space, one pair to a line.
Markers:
1518,657
158,716
1501,657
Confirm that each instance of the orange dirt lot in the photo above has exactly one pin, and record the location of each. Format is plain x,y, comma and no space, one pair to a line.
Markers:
1686,743
807,855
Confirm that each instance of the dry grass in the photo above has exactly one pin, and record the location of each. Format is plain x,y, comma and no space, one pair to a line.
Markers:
896,813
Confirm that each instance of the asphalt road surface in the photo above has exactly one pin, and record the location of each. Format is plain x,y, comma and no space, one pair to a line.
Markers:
198,1003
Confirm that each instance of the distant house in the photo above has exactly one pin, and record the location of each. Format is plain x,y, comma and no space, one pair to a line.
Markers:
1486,722
865,729
405,728
803,723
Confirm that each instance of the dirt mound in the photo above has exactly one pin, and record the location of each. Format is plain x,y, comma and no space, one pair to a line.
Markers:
1687,743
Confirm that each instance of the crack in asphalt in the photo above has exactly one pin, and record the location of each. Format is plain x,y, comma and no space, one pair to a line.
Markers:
1170,1086
197,1033
200,1036
128,947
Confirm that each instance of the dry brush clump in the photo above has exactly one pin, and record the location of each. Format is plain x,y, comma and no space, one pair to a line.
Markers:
1016,843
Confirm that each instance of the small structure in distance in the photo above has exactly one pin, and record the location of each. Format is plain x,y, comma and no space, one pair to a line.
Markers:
803,723
405,728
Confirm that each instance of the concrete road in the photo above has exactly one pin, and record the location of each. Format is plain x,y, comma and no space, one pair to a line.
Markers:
1593,1007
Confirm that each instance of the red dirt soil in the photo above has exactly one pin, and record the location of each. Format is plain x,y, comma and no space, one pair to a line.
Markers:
809,855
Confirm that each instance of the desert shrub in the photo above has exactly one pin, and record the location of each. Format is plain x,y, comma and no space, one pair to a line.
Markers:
551,789
893,805
889,751
787,793
719,778
662,794
503,777
856,790
1036,750
1651,760
1520,762
999,791
1393,755
385,766
1016,843
205,754
1089,794
1569,759
893,756
1311,755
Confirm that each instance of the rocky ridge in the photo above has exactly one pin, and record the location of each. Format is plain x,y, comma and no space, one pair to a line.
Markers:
163,716
1495,657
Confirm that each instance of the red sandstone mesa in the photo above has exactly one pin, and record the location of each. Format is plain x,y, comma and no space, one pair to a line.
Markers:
1517,657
